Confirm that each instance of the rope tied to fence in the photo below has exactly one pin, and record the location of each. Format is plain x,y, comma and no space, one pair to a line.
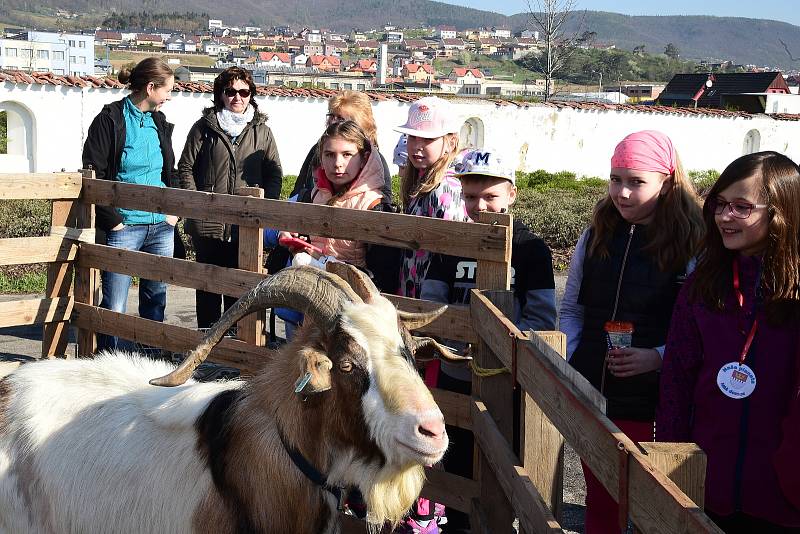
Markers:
484,372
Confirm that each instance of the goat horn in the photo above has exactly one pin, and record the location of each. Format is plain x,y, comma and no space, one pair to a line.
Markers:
414,320
360,281
318,294
426,344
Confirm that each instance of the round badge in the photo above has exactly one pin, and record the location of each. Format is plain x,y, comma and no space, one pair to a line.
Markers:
736,380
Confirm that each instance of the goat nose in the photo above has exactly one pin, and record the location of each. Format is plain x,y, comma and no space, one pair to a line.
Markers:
432,428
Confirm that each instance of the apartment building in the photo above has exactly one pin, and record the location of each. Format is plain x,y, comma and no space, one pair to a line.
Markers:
56,52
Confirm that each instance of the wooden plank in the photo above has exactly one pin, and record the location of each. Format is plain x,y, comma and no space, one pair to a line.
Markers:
231,352
653,497
451,490
57,185
480,241
251,258
495,273
683,463
184,273
82,235
25,312
454,324
47,249
59,282
542,445
455,407
533,513
87,279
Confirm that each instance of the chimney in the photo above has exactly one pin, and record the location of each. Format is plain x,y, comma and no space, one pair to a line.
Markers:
383,55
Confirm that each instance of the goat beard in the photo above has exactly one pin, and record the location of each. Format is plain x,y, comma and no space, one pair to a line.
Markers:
392,495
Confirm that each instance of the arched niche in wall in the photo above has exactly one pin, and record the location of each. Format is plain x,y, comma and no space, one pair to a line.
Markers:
752,142
19,138
471,134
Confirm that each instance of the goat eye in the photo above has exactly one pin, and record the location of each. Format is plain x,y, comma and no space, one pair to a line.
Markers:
345,366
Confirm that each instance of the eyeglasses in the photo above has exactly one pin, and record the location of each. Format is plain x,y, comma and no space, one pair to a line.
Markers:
333,117
737,208
230,92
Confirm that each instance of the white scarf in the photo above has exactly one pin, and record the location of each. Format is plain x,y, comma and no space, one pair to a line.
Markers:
233,123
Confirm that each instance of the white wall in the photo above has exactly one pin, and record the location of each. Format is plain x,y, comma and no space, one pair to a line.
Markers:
537,136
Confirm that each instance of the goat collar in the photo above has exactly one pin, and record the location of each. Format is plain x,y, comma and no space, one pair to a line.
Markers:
312,474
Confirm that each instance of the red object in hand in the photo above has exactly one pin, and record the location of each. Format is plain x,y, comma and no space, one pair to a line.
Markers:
295,244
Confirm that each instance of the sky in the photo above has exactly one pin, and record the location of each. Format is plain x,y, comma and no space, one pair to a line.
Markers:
783,10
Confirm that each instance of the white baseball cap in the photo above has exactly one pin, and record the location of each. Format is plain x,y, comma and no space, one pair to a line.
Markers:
430,117
485,162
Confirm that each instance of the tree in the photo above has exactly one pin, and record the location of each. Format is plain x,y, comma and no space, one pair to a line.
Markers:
671,51
639,50
549,17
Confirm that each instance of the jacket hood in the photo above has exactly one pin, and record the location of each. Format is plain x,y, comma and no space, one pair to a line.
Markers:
370,178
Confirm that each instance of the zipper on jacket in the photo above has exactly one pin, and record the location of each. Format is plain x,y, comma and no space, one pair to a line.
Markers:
616,299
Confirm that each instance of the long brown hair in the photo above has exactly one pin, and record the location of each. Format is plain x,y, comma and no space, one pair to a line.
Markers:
358,106
150,69
351,132
673,235
780,279
413,184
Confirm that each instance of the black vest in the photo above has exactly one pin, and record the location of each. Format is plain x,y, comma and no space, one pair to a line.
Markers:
646,298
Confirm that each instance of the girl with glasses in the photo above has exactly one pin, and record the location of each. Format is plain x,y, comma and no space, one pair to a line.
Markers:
623,279
228,148
730,376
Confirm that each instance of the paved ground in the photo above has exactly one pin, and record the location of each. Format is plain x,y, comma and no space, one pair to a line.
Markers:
22,344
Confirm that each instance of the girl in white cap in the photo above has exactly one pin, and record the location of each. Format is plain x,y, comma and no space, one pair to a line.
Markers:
428,186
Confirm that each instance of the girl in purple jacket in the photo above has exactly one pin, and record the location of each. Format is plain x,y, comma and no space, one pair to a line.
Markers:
730,371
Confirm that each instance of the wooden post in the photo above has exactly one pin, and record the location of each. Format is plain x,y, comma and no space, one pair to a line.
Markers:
87,279
542,445
59,281
494,512
251,258
683,463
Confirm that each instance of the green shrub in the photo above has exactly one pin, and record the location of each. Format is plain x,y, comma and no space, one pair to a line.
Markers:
703,180
24,218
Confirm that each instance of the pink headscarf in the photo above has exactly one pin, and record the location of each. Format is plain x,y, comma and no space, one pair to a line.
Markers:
648,150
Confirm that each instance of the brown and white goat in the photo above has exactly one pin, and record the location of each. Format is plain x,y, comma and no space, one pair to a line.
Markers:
89,446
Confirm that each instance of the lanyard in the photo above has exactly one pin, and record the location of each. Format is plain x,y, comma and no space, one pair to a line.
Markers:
740,299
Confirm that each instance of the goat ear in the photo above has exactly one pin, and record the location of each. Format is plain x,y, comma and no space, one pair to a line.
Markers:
315,373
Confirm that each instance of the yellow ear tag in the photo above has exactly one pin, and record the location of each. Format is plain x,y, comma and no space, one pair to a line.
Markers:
302,382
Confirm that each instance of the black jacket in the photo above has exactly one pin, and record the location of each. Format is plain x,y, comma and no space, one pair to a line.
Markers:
211,162
102,152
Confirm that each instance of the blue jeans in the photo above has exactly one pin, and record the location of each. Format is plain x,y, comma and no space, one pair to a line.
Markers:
151,238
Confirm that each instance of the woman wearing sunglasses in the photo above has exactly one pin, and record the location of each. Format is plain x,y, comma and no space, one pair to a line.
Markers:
230,147
731,371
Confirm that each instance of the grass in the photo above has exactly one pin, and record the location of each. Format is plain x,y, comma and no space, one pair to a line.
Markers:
556,206
120,58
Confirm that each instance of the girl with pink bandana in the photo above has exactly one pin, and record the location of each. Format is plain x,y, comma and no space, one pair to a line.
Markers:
624,277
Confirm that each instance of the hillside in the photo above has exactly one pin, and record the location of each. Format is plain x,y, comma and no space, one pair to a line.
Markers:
697,37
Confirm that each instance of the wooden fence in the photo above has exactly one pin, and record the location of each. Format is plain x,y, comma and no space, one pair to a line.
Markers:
558,403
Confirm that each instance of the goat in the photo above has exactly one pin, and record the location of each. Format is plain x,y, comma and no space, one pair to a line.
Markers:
89,446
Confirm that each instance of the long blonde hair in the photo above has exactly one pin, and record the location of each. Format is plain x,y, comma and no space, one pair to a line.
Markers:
412,183
359,107
676,230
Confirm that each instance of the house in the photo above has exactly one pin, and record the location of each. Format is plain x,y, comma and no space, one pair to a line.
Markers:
314,37
108,37
489,45
417,72
744,91
240,57
295,45
454,44
333,49
357,36
190,45
370,45
313,49
446,32
369,66
214,24
260,43
642,91
174,44
149,39
274,59
299,60
324,63
466,76
529,34
414,44
230,42
394,36
215,49
501,32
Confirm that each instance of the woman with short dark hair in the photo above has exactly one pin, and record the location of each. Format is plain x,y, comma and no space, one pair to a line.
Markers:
230,147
